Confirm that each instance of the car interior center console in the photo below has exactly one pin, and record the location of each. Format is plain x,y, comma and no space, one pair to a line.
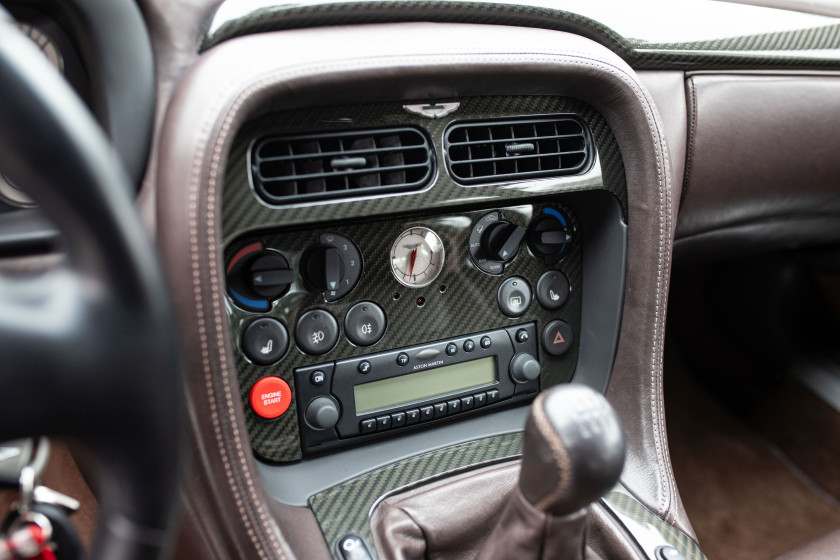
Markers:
398,268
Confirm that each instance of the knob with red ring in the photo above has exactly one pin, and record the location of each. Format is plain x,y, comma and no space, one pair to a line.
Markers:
256,276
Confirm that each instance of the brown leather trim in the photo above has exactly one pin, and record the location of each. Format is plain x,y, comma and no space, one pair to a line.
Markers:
562,464
667,88
244,75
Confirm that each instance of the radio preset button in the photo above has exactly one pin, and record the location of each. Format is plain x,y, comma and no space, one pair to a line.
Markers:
453,406
480,400
485,342
412,416
402,359
316,332
317,378
364,324
368,426
521,336
398,420
451,349
514,297
383,423
364,367
467,403
492,396
440,409
426,413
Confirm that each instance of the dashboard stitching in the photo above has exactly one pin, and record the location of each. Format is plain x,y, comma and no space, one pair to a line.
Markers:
692,129
193,226
558,451
556,57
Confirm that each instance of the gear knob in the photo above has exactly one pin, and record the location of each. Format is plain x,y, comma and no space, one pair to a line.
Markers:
573,451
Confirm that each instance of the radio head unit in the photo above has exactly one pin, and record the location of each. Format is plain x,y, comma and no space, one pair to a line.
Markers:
350,401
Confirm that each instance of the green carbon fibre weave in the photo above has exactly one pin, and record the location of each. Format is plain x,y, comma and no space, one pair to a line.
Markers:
242,212
625,504
345,508
468,305
743,49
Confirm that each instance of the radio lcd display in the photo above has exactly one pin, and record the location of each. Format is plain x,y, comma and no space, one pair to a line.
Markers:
424,384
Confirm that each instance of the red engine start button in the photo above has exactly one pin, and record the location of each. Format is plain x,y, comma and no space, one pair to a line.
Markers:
270,397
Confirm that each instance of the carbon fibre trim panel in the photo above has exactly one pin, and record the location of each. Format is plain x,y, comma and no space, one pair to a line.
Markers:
242,212
467,306
649,530
813,47
346,508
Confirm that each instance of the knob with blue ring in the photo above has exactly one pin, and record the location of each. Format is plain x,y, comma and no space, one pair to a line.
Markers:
550,235
256,276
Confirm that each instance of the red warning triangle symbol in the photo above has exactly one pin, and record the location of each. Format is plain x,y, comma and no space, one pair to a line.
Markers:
559,338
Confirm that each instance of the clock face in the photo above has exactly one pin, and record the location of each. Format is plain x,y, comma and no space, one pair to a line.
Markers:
417,257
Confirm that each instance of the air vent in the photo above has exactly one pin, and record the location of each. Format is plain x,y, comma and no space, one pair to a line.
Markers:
509,150
287,169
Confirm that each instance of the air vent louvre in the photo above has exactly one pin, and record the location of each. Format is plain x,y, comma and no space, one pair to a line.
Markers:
290,169
495,151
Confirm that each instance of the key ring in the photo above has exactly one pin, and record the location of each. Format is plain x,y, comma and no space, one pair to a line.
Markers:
33,518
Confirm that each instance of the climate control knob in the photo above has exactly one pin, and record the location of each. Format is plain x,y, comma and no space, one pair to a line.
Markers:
524,368
256,276
494,243
549,236
333,267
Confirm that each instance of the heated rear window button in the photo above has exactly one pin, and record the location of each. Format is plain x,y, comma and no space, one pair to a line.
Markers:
426,413
492,396
467,403
367,426
440,409
453,406
398,420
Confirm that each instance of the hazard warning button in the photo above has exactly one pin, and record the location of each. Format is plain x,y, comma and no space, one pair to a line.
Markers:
557,338
270,397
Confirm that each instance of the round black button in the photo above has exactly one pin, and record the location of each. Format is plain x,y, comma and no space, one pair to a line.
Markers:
265,341
514,297
364,324
521,336
402,359
317,378
552,289
469,345
485,342
451,349
557,338
316,332
364,367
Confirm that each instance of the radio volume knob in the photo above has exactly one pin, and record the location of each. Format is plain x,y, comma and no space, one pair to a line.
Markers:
321,413
524,368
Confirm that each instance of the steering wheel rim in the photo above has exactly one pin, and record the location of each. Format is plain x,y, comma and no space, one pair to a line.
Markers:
90,348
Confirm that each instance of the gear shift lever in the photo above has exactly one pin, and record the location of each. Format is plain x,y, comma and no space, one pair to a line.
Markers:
573,453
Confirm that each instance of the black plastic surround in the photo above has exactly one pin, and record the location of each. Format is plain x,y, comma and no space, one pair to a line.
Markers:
340,378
